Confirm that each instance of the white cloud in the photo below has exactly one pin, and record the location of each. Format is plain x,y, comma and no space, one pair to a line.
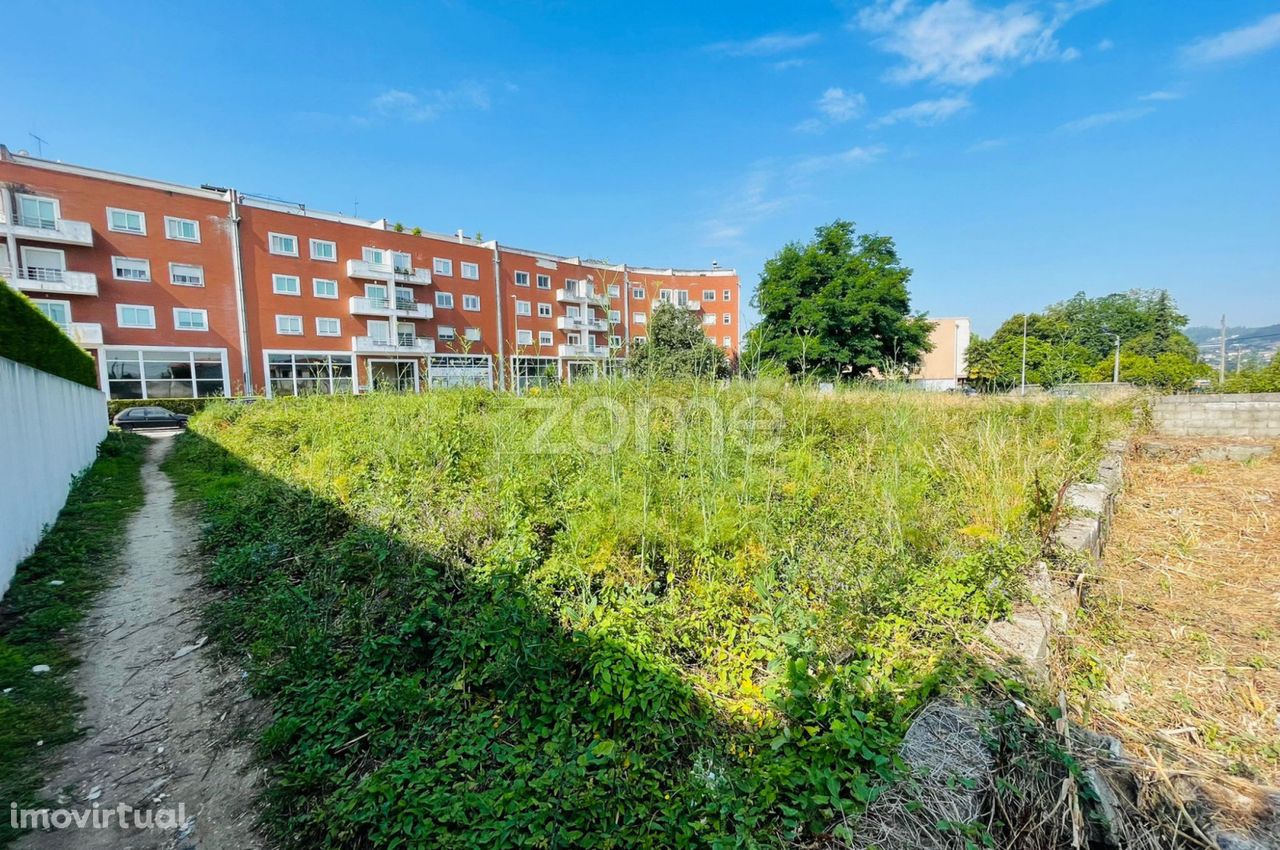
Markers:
1233,44
1161,95
987,145
788,64
1105,45
1101,119
959,42
811,125
401,105
765,45
840,106
810,165
926,112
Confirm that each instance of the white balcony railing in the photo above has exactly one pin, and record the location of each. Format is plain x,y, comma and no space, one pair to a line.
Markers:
85,334
404,308
385,271
688,305
581,323
568,350
60,281
401,345
38,229
581,296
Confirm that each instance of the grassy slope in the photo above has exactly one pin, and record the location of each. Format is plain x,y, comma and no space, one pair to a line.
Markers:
475,636
35,617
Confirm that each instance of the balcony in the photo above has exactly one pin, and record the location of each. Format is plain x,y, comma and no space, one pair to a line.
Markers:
402,345
404,308
54,281
385,271
85,334
693,306
581,323
39,229
592,351
579,296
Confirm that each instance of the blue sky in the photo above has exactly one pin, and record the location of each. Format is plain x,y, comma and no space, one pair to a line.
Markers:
1017,153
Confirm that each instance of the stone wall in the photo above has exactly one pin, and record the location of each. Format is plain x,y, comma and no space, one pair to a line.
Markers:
1241,415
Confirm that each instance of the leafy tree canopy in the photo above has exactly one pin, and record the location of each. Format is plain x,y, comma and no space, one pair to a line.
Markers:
676,347
837,306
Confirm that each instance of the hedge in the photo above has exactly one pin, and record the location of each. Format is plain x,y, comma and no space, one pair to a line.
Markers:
29,336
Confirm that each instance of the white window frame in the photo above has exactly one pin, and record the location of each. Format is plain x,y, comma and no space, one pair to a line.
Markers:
280,330
524,336
708,295
333,246
151,311
142,221
521,278
614,290
727,319
469,271
472,334
24,252
469,298
637,292
321,322
544,310
728,342
545,338
446,333
275,285
709,319
640,318
108,352
638,340
204,319
315,287
171,220
523,308
544,281
271,244
444,300
615,341
173,274
57,205
41,303
726,294
377,256
115,269
615,316
442,266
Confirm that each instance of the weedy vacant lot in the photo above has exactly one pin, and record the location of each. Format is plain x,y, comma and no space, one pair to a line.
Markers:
621,615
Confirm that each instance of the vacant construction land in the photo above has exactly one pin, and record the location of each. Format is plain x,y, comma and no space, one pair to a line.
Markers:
1187,640
619,615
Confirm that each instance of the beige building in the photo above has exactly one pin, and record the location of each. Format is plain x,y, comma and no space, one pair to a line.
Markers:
946,366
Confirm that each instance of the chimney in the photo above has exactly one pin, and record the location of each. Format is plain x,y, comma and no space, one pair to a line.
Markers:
459,234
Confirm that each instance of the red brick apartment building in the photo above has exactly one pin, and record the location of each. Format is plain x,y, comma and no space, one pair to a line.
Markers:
181,291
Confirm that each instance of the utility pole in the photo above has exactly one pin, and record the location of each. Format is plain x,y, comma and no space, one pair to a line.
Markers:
1024,353
1115,372
1222,352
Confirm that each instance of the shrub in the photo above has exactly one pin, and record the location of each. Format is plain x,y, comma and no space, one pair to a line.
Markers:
189,406
28,336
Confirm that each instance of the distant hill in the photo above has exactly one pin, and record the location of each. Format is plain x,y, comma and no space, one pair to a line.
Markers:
1253,344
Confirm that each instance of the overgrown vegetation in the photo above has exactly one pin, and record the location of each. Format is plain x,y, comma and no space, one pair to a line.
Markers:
28,336
668,616
39,711
189,406
676,347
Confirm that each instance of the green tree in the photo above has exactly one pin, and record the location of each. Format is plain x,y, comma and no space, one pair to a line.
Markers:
837,306
676,347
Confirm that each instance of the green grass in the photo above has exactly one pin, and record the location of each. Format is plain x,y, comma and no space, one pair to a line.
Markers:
479,629
37,619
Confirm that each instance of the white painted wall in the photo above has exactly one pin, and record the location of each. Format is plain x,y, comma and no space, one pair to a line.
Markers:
49,432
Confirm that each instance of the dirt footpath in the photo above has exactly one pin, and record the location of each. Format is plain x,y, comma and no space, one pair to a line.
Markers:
161,715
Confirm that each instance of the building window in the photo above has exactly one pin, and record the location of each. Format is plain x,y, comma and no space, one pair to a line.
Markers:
614,290
439,265
377,256
445,333
471,302
182,274
182,229
637,292
544,281
544,311
401,262
726,294
615,316
164,372
34,211
286,284
444,300
283,244
135,316
324,250
615,341
709,319
58,312
190,319
131,268
126,221
322,288
309,374
708,295
522,278
728,343
639,318
470,271
289,325
473,334
638,340
727,319
664,295
524,337
328,327
524,308
544,338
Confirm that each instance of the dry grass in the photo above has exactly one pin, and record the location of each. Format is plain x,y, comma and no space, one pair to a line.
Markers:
1185,637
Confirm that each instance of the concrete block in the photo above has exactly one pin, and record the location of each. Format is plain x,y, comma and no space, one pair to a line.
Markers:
1089,499
1025,636
1081,534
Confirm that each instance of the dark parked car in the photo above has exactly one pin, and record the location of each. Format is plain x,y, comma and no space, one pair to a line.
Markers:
149,417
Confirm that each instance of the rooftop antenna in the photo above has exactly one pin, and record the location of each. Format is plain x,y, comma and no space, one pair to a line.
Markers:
39,145
356,214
